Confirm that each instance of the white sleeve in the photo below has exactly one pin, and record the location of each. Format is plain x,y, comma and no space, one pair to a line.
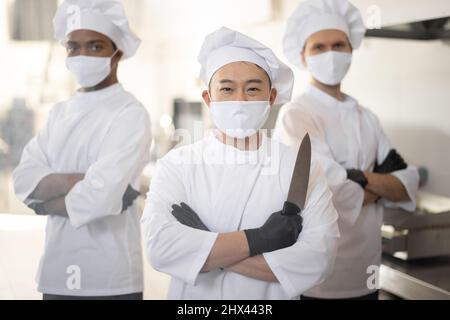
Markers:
101,192
310,260
292,125
171,247
409,177
34,165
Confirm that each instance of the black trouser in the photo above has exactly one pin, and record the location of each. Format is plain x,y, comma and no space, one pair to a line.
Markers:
132,296
370,296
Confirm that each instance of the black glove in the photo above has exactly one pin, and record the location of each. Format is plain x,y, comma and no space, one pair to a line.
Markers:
38,208
129,197
127,200
280,231
393,162
358,177
185,215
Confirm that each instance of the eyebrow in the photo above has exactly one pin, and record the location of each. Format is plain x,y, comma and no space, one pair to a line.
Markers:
223,81
97,41
335,42
259,81
226,81
71,42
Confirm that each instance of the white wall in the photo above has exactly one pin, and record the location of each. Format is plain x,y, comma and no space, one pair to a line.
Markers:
392,11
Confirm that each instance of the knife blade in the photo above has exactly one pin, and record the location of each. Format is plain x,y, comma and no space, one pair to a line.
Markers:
300,179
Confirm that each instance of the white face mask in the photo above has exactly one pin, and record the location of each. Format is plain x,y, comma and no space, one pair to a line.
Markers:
89,71
330,67
239,119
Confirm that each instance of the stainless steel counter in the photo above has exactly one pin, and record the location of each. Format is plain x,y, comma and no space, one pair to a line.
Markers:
418,279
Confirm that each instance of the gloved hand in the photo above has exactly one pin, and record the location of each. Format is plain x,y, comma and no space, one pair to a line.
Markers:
358,177
185,215
278,232
129,197
127,200
38,208
393,162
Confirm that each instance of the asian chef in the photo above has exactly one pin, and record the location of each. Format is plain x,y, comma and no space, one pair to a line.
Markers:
212,219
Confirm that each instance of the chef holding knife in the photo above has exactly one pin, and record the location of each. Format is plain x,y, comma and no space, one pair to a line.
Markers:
216,217
364,171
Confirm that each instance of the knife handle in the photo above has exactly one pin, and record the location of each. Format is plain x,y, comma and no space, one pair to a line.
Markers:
290,209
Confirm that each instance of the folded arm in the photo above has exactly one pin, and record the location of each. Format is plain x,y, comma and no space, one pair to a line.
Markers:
55,186
386,186
393,180
254,267
279,231
54,207
228,249
172,247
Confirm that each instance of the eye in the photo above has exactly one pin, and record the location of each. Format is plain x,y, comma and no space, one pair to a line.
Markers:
96,47
71,48
318,47
254,90
338,46
226,90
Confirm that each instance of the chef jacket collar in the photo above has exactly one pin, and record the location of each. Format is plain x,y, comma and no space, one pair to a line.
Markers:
348,104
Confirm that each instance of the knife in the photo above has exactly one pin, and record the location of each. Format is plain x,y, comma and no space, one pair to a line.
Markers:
300,178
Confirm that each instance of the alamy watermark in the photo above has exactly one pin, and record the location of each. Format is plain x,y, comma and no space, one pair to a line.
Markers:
73,281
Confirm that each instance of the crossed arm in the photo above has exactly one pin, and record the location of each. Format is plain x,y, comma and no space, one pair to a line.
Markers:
384,186
53,189
254,267
381,183
231,251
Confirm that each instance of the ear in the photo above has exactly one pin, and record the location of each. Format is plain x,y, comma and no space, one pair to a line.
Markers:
302,55
273,96
116,59
206,98
349,45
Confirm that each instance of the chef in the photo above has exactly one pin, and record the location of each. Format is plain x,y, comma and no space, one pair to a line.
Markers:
82,169
212,218
364,171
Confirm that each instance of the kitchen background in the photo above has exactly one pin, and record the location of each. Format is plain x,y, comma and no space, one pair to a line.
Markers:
405,81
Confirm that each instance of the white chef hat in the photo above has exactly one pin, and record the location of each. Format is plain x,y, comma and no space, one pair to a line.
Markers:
312,16
104,16
225,46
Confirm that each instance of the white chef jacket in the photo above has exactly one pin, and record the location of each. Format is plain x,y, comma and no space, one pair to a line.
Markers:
106,135
235,190
346,135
